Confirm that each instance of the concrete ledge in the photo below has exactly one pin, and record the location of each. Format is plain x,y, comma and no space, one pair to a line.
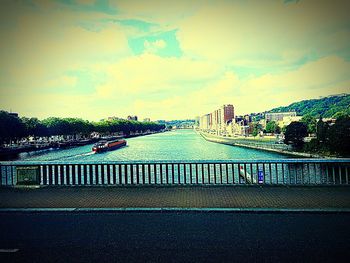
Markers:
177,210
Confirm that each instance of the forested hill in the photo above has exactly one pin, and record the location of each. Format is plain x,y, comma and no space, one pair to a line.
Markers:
325,107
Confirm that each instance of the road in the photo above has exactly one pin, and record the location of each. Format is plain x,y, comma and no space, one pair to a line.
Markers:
174,237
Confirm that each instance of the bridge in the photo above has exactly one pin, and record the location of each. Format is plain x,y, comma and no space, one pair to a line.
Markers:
305,184
207,211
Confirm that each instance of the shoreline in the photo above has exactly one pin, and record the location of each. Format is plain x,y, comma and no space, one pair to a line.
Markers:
238,142
12,154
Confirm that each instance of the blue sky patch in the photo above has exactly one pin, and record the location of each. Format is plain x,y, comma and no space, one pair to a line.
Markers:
171,49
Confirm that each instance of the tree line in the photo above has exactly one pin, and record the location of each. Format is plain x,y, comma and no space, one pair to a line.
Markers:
331,139
14,128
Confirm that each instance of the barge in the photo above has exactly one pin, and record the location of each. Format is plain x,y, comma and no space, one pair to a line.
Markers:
105,145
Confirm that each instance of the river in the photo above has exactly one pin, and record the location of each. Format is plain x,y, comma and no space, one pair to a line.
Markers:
174,145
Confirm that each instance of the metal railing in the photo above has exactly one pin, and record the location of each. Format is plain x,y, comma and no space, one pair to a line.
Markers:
192,172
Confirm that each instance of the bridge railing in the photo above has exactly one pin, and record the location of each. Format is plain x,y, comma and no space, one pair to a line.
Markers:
192,172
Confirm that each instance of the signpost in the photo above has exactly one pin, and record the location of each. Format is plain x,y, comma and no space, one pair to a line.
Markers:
260,176
28,175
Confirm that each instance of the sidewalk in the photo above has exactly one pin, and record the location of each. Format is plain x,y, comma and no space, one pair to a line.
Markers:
314,198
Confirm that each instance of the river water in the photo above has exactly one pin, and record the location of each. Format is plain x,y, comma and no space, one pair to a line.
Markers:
174,145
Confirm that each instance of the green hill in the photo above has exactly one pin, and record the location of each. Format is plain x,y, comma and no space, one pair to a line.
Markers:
325,107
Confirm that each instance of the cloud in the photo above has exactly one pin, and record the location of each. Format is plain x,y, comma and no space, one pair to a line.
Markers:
264,30
169,61
326,76
154,46
149,73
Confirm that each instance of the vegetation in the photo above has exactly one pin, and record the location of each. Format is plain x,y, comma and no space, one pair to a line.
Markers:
331,139
295,133
332,106
272,127
14,128
310,122
257,129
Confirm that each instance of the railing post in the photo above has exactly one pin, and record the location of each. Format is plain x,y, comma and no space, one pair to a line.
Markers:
125,168
137,174
167,173
161,173
214,166
209,173
185,174
79,174
226,168
143,173
191,181
203,182
252,173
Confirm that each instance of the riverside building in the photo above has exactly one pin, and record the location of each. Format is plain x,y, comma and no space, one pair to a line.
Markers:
217,121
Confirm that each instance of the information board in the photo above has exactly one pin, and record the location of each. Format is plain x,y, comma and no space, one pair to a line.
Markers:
28,175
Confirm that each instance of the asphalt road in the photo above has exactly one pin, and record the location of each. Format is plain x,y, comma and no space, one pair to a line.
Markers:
174,237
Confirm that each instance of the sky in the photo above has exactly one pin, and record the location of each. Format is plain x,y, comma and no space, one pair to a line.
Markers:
169,59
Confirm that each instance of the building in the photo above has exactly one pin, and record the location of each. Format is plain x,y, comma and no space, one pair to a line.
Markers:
132,118
146,120
218,120
196,121
226,115
204,122
288,120
113,118
278,116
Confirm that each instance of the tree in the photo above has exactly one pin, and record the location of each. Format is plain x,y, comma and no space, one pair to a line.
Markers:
339,136
34,127
321,131
256,129
340,114
11,127
310,123
272,127
295,133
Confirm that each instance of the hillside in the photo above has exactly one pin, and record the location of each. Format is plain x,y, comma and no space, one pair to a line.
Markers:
326,107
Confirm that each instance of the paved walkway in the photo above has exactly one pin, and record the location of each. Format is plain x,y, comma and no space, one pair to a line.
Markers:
330,198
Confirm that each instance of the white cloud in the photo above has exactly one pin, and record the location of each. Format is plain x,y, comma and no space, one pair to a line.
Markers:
263,30
150,73
326,76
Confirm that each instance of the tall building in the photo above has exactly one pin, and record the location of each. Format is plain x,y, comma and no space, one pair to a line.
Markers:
218,120
228,113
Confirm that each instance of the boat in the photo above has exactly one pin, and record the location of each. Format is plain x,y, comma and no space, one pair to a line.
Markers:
105,145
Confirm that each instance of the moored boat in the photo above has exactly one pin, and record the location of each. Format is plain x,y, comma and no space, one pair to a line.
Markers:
104,145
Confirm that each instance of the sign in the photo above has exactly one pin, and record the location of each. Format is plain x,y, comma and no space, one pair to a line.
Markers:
28,175
260,176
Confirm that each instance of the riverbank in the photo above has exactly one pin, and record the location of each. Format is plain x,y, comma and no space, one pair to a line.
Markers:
257,145
10,153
